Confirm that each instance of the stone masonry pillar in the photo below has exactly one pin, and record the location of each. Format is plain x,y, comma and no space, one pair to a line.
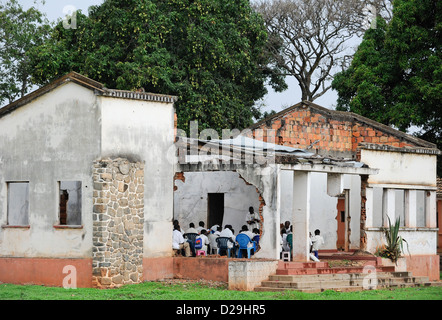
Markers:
118,222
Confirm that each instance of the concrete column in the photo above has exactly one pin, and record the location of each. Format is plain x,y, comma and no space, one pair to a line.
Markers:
347,219
430,209
369,212
276,224
410,199
301,215
389,206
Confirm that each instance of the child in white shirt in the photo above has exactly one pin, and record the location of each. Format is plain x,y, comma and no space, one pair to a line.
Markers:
317,242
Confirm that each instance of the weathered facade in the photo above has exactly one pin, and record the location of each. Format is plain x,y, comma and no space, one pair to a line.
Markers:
404,187
91,179
61,133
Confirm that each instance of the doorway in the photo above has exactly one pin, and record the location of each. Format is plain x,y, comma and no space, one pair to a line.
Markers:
215,209
340,243
343,221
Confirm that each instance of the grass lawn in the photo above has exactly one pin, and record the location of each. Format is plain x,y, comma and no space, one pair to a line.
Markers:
200,290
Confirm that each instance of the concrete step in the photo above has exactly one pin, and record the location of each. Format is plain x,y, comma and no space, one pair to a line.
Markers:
343,281
340,288
308,290
301,265
337,276
325,270
338,283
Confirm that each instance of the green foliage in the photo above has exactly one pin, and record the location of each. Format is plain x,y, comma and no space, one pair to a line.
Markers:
396,75
206,52
19,31
395,243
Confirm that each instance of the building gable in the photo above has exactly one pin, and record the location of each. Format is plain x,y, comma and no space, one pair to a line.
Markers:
97,87
309,126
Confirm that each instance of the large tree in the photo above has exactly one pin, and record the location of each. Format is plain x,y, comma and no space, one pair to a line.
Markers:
209,53
396,75
19,31
309,38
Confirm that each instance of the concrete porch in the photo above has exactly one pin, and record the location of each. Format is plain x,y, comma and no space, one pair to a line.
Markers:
340,271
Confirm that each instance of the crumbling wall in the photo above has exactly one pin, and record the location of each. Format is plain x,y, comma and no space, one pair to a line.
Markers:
324,132
266,182
118,220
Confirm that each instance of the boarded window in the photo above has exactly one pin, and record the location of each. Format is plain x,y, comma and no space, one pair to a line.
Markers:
70,203
18,203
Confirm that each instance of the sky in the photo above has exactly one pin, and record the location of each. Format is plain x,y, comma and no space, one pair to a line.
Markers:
56,9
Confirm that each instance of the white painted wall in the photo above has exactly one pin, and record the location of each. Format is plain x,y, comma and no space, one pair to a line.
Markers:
421,241
323,207
53,138
398,172
190,198
144,131
56,137
401,168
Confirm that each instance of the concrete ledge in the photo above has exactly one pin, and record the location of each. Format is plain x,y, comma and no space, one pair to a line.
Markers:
157,268
245,275
206,268
424,265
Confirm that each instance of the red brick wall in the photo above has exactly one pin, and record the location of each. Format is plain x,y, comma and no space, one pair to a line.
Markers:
302,126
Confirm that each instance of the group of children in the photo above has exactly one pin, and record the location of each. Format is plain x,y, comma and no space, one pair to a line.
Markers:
206,238
316,241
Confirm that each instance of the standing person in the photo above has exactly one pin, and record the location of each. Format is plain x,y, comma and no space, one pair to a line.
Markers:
178,241
252,218
317,242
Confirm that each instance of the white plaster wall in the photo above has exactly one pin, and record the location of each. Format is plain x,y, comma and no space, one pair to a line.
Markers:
144,131
421,241
190,198
323,211
286,202
324,207
53,138
268,183
401,168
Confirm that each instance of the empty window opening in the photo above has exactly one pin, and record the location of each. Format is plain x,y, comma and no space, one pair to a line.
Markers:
215,209
18,203
342,216
69,203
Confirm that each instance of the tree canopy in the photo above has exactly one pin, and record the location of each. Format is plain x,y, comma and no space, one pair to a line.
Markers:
208,53
396,74
20,30
308,38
